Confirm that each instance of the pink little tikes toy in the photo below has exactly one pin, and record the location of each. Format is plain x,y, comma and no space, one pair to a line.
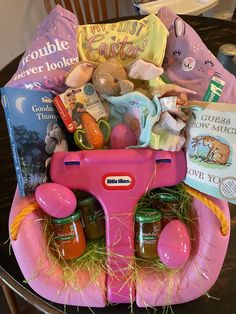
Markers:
118,179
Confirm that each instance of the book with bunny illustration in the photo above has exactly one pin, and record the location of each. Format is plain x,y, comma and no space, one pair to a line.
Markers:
211,150
34,131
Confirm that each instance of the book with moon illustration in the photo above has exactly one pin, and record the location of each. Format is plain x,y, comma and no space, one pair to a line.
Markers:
211,150
31,120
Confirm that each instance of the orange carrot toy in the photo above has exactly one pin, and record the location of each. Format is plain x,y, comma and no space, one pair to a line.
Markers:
91,136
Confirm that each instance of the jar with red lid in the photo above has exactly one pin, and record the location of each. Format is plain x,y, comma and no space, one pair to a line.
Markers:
69,236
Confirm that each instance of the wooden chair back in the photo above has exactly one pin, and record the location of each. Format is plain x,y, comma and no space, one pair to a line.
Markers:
87,11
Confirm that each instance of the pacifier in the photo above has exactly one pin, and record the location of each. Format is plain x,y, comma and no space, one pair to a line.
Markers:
94,134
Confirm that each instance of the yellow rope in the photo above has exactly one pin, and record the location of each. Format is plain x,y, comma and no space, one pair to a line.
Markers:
212,206
20,217
198,195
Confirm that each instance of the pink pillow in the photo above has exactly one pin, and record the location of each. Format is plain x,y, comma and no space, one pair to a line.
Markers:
189,63
51,54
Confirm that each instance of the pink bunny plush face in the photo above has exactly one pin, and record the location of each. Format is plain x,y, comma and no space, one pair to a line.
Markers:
187,54
189,63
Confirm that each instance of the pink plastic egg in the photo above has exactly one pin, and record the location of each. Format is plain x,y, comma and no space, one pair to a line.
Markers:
174,244
122,136
56,200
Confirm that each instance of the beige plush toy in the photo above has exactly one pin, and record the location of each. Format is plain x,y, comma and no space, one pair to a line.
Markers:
110,77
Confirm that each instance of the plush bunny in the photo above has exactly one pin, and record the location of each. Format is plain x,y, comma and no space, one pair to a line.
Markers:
55,142
55,139
110,77
168,132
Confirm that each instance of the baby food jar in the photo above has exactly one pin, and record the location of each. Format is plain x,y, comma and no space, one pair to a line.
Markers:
168,205
69,236
93,217
147,231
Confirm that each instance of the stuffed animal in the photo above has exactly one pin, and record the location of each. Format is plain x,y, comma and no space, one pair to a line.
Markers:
168,133
141,109
112,81
55,139
111,78
55,142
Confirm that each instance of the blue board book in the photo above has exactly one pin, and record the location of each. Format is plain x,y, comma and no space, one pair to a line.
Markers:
30,116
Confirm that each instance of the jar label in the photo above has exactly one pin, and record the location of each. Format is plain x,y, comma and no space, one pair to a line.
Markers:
148,233
148,237
67,237
95,215
66,234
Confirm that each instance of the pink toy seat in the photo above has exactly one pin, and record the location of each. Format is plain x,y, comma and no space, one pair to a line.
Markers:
118,179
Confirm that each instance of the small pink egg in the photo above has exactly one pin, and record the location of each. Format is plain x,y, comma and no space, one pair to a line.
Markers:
174,244
122,136
55,199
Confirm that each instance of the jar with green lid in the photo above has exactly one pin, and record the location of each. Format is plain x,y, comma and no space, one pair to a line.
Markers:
168,205
93,217
69,236
147,231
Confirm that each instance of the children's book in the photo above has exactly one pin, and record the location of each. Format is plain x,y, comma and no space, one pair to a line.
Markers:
211,151
31,117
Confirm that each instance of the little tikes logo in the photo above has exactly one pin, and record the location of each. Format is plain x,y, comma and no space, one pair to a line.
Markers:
118,181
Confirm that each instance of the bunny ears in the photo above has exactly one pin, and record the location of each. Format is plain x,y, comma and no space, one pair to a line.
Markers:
139,69
142,70
80,74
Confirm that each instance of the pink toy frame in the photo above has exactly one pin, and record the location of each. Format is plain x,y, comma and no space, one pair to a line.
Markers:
118,178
